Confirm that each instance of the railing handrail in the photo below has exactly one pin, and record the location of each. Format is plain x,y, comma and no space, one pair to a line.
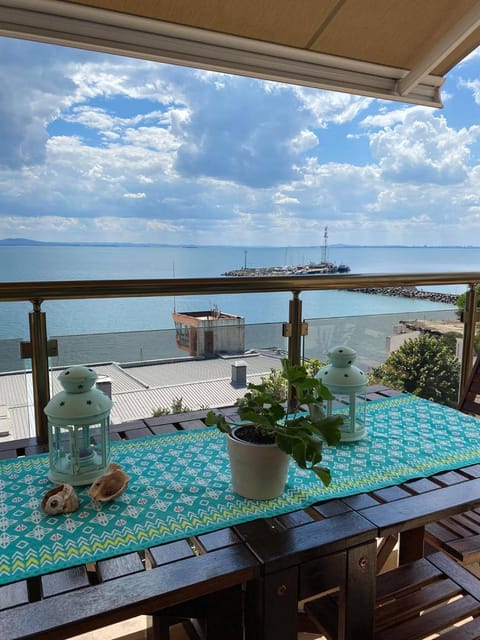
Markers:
38,292
77,289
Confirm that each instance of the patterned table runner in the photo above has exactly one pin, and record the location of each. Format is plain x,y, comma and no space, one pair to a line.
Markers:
180,486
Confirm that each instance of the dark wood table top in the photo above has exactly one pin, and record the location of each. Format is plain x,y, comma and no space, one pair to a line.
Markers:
165,577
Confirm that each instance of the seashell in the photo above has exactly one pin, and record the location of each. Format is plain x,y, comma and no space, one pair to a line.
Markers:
110,485
61,499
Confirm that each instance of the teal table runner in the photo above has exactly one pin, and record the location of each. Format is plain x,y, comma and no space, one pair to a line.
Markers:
180,486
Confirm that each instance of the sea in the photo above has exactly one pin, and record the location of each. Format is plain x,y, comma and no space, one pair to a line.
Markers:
73,317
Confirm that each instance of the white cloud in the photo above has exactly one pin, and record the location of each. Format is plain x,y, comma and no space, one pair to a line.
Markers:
101,147
134,196
419,147
304,141
328,106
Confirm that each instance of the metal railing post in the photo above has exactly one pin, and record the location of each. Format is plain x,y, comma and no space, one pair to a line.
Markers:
40,375
295,322
469,323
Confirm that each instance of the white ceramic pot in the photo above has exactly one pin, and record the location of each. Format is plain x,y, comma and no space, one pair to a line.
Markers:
259,471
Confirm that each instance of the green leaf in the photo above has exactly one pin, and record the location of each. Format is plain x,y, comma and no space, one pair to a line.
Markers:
324,474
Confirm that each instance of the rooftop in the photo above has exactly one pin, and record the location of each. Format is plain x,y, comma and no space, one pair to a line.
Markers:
138,389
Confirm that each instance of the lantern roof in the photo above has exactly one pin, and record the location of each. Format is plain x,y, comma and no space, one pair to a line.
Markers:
80,402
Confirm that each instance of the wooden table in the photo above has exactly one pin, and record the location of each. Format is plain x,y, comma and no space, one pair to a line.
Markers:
203,578
252,575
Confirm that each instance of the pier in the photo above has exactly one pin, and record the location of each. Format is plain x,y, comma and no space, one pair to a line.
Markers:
410,292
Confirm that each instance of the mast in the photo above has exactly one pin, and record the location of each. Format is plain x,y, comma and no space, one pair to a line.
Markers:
324,250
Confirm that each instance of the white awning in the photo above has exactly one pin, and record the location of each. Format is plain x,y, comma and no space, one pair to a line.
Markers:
393,49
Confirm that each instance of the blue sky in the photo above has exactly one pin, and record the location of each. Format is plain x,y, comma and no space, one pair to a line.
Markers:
98,148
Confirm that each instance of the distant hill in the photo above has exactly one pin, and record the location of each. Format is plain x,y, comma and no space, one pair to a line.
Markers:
17,241
26,242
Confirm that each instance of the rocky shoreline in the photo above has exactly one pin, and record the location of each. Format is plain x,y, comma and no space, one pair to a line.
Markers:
410,292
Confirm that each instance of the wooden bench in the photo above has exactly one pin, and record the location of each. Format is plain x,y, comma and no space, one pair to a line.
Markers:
415,601
459,535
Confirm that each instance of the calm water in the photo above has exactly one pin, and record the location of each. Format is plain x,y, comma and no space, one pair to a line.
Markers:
100,316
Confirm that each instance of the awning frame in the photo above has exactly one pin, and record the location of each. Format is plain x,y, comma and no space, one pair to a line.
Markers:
82,26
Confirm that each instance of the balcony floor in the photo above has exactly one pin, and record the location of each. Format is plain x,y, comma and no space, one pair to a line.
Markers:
135,630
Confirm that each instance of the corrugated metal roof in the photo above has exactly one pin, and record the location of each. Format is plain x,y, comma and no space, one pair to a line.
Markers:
138,391
187,371
195,395
13,388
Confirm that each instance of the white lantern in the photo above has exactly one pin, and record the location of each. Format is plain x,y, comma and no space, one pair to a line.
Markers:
78,428
348,384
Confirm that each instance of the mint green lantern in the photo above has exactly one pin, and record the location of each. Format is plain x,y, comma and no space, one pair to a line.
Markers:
78,428
348,384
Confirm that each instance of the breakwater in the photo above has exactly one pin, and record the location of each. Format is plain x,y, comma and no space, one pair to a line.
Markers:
410,292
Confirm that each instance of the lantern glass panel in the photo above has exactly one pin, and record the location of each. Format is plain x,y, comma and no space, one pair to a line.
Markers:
78,453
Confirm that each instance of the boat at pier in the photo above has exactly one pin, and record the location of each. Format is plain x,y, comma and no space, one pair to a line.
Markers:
321,268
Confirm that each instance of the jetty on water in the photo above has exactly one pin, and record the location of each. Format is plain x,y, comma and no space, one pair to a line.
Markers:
309,269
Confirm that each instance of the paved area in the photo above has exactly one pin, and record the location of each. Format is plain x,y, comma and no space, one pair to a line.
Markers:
135,630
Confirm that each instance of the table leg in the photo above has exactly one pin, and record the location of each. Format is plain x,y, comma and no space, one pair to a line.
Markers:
225,615
219,615
271,606
357,600
411,545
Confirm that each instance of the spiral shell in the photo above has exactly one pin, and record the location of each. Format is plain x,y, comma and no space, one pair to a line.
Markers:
110,485
61,499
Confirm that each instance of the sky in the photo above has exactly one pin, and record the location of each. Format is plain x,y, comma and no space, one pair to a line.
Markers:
102,148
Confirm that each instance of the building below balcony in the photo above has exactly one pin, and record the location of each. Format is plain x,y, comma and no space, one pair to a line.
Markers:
206,333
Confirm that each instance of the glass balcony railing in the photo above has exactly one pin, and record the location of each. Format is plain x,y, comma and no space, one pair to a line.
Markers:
305,333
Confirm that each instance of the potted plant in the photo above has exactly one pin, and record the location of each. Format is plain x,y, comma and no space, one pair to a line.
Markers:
270,433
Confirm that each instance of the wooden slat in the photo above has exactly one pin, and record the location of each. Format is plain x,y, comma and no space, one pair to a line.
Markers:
473,471
403,608
405,579
389,494
422,485
170,552
163,428
218,539
122,426
120,566
189,425
449,478
132,434
416,511
432,621
467,550
64,581
438,535
468,631
12,595
294,519
332,508
456,572
468,522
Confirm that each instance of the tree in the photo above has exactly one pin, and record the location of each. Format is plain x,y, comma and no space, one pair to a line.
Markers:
450,340
276,383
424,366
177,406
461,307
462,297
